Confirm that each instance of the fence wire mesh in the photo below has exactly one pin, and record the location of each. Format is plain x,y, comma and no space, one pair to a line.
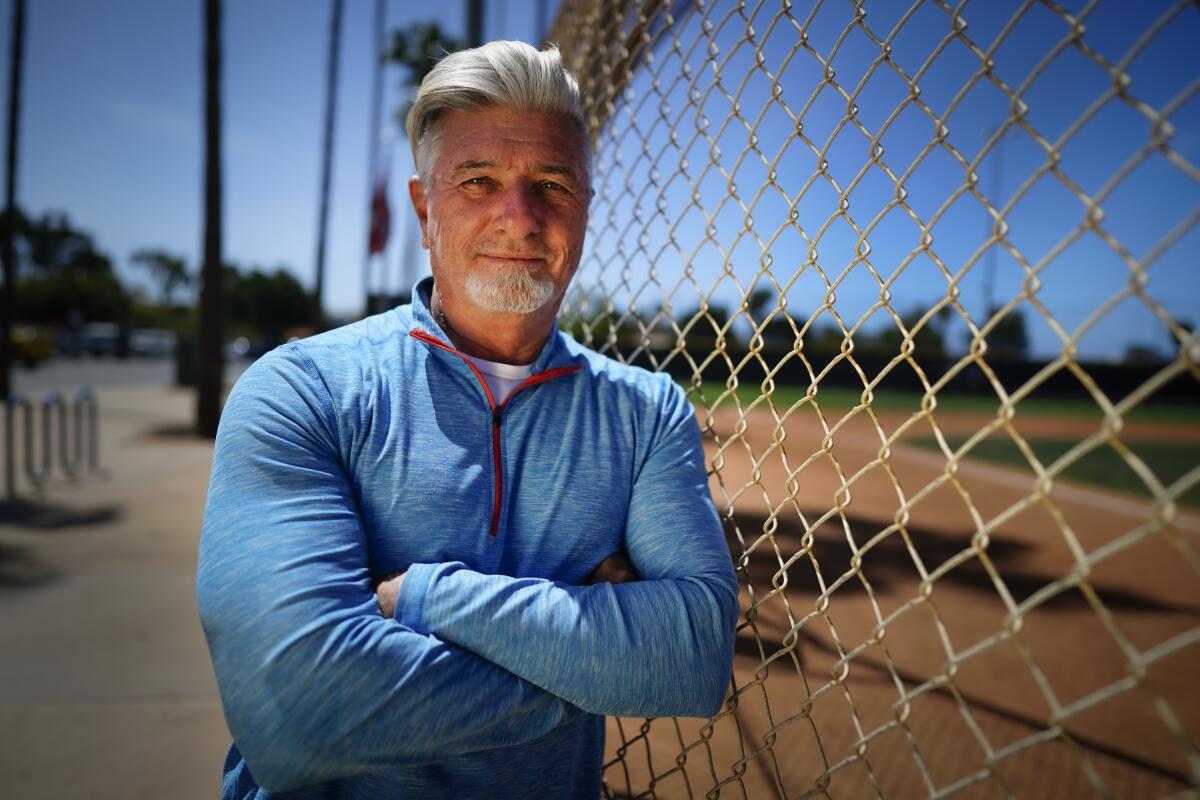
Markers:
889,249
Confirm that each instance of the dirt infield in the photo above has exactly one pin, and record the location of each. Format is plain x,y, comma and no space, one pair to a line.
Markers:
957,658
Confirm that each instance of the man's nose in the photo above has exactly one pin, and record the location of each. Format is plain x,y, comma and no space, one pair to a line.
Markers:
520,211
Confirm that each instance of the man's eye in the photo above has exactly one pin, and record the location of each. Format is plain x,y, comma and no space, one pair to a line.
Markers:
552,186
476,182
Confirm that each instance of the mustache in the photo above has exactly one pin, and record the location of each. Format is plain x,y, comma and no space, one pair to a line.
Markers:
529,249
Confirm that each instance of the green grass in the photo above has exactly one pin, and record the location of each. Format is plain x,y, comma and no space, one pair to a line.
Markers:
1102,467
837,399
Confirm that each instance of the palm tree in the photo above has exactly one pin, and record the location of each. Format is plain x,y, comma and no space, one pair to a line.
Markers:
170,271
9,214
416,48
210,357
8,220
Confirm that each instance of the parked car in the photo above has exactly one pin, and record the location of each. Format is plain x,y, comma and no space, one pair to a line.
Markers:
101,338
152,342
244,349
31,346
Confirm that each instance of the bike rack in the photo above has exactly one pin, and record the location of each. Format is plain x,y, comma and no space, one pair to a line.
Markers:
74,428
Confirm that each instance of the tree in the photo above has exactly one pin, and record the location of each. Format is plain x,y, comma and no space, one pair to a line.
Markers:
760,303
264,304
8,301
778,333
703,334
68,298
63,278
52,245
169,270
929,342
1009,339
1176,342
825,338
597,324
416,48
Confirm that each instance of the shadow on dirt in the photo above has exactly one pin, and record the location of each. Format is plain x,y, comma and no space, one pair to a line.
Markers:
20,566
890,567
54,516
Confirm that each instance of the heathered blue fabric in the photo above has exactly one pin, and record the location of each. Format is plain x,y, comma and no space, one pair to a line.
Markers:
365,451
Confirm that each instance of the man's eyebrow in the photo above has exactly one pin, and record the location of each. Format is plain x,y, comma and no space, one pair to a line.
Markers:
557,169
467,166
547,169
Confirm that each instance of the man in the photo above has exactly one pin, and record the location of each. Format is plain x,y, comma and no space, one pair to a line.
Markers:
441,543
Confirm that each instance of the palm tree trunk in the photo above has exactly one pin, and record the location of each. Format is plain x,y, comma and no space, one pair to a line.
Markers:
209,356
8,255
474,23
8,219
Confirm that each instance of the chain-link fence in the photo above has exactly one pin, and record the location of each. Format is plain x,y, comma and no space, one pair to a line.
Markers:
926,270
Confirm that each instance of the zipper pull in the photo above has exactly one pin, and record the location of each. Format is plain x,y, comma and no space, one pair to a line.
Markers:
496,412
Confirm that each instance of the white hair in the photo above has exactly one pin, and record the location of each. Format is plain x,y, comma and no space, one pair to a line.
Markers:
507,74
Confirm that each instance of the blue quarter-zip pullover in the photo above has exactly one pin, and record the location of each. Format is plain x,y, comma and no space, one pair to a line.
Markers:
377,448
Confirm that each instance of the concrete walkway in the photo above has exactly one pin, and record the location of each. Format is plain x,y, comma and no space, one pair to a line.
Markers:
106,689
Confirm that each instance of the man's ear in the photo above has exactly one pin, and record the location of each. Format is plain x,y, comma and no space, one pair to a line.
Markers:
416,193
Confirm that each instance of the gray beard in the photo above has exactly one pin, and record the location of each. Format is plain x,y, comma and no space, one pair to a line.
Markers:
513,290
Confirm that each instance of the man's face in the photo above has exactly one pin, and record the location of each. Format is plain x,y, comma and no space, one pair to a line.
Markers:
505,211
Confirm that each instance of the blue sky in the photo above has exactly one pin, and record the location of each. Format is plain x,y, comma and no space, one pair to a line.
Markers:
111,134
683,119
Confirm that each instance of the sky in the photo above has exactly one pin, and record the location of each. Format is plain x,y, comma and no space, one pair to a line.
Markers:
725,75
113,112
112,136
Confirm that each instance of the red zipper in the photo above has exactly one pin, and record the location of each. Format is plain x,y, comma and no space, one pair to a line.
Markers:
497,411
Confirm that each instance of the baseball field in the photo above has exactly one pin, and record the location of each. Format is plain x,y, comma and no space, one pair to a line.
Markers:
948,600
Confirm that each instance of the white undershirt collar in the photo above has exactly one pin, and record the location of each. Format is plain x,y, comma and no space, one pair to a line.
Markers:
501,378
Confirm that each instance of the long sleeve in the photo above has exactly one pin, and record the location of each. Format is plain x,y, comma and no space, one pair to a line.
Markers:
315,683
655,647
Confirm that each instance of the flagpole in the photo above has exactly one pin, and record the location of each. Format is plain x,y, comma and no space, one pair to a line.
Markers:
381,218
374,133
331,88
408,257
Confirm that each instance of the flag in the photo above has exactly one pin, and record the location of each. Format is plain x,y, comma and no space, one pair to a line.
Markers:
381,218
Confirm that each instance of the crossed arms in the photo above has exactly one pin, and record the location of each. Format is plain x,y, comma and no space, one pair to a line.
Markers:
617,568
318,685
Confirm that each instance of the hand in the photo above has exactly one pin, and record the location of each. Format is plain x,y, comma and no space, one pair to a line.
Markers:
617,568
387,589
